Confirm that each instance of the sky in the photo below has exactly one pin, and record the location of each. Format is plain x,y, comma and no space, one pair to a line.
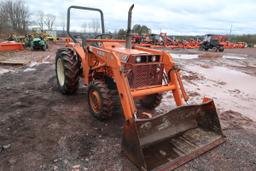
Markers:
184,17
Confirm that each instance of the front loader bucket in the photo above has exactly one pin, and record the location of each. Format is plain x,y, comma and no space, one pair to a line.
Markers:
167,141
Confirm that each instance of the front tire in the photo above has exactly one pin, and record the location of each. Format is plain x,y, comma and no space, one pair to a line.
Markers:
67,66
151,101
100,100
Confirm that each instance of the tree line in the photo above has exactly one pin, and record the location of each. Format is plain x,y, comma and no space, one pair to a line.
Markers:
15,18
248,38
136,29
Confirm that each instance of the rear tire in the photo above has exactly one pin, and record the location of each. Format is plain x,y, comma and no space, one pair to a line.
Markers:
67,66
100,100
221,49
151,101
44,48
215,49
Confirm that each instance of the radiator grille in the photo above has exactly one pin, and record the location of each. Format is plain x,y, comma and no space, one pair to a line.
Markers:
145,75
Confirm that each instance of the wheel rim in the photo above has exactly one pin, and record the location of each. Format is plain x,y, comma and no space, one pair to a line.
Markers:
60,72
95,101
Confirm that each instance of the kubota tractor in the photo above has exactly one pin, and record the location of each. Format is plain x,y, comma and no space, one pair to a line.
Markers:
117,74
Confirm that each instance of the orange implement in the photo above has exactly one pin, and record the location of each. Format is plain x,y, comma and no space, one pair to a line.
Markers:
11,46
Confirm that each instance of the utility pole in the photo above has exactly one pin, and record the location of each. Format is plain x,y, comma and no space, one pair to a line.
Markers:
230,31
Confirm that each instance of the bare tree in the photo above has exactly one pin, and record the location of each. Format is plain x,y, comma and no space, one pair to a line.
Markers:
4,24
90,26
41,20
49,21
63,25
14,15
85,26
95,25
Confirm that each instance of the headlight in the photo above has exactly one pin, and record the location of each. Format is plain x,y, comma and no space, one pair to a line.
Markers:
138,59
153,58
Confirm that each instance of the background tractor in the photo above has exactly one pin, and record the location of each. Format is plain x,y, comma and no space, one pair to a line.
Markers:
153,39
38,43
211,42
117,75
51,36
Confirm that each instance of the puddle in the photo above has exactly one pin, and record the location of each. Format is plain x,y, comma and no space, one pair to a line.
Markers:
3,70
184,56
194,56
29,69
33,64
234,79
235,54
233,57
233,90
36,63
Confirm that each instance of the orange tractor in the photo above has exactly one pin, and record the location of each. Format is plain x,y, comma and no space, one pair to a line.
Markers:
115,71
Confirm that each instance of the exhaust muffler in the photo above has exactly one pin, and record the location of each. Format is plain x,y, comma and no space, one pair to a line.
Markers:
128,44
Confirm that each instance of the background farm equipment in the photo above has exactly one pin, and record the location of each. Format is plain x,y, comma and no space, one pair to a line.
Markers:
51,36
35,43
11,46
211,42
230,45
164,41
153,39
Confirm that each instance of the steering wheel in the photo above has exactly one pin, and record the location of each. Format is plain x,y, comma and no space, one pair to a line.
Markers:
104,35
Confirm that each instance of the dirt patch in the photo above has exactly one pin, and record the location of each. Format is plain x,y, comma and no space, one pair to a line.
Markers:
250,52
50,130
190,76
208,55
193,94
231,120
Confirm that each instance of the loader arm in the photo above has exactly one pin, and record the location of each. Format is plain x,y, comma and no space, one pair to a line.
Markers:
112,60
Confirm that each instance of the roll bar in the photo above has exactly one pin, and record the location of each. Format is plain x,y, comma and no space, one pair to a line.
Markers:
83,8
